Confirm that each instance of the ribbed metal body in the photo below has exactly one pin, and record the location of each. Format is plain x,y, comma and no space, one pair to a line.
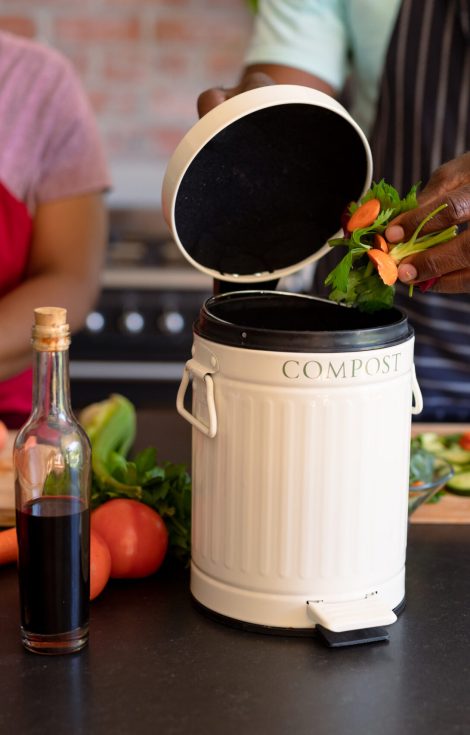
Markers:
302,492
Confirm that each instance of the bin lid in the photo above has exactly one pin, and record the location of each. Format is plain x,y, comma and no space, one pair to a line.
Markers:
256,188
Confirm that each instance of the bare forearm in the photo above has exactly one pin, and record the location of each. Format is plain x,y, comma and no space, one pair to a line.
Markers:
16,310
67,251
281,74
261,75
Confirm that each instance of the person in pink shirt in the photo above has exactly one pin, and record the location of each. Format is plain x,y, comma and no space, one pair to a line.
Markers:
53,225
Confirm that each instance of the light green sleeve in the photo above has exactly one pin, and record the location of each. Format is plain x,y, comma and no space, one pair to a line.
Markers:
306,34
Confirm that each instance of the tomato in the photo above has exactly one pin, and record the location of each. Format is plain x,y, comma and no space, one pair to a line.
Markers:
100,564
464,441
136,536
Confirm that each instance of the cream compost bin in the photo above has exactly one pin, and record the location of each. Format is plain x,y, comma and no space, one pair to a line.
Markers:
301,408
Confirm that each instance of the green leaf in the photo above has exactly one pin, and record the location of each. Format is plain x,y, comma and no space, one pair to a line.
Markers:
390,199
145,460
153,475
387,195
155,493
376,296
368,293
117,464
122,470
410,201
339,241
338,277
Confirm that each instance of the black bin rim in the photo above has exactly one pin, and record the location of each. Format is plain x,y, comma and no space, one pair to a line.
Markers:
233,319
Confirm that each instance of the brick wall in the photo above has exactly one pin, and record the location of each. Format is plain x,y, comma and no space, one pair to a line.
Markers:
143,63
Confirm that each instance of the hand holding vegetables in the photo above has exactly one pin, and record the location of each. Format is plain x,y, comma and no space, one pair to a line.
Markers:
449,264
367,274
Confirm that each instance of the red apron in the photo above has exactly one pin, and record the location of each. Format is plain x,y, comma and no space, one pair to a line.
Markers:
15,241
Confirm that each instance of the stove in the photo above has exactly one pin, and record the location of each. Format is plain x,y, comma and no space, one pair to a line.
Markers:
139,335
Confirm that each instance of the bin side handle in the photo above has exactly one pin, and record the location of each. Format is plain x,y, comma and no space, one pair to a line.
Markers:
210,430
417,406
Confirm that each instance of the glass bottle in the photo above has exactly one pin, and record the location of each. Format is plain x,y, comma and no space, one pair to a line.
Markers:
52,463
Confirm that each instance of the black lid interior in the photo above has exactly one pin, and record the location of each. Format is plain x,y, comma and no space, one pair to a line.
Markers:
268,191
271,320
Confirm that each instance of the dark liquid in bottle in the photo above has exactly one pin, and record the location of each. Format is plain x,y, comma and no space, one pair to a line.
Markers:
53,534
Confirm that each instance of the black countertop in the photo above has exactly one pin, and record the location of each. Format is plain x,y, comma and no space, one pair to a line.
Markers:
155,664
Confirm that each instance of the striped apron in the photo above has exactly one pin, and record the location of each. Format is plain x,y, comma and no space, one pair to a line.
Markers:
423,120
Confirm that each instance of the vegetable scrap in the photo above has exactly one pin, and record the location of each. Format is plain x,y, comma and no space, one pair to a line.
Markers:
366,275
386,267
380,243
365,215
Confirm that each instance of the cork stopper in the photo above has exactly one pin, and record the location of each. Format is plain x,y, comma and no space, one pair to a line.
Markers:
51,332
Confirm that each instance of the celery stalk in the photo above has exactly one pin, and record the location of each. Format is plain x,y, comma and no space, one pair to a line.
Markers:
111,428
418,244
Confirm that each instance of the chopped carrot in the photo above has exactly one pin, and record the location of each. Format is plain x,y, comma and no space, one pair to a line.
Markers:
100,563
8,546
417,483
380,243
364,215
385,265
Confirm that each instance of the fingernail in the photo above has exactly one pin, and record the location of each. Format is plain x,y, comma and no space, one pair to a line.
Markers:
395,233
407,273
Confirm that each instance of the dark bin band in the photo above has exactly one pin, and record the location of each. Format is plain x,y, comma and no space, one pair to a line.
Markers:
285,322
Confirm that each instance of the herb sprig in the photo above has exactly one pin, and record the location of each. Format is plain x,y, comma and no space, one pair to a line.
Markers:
355,281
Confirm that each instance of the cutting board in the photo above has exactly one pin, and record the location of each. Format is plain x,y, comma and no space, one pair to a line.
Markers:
7,486
449,508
